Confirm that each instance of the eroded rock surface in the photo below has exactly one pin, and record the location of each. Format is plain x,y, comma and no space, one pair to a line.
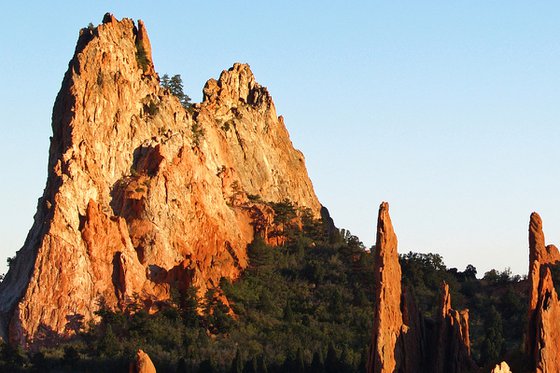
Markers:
543,335
141,193
386,346
453,339
402,339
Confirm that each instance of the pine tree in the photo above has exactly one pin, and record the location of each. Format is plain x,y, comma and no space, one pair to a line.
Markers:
206,366
331,362
181,366
300,362
175,86
494,340
263,366
237,363
288,313
318,365
251,366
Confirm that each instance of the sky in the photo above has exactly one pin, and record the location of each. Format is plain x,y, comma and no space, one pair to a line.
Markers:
448,110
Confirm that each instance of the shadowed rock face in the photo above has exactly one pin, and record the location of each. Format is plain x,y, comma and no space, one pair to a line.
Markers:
401,341
452,344
142,193
543,333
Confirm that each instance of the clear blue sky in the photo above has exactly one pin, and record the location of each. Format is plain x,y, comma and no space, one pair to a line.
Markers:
448,110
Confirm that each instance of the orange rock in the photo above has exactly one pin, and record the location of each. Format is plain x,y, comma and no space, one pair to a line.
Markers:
453,351
503,367
543,332
388,319
547,338
402,340
135,200
142,364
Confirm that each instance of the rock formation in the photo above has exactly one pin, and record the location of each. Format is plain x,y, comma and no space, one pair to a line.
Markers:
141,193
401,341
543,333
388,326
503,367
142,364
453,351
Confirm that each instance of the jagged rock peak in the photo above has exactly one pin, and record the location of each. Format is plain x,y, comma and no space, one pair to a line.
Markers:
388,319
543,332
236,85
402,341
143,195
537,248
453,339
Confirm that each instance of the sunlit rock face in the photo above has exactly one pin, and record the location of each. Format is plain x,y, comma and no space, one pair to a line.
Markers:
388,326
543,332
503,367
141,193
142,363
401,340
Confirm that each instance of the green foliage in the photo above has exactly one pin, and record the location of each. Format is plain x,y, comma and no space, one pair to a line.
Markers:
198,133
425,273
493,340
12,359
305,306
284,211
175,86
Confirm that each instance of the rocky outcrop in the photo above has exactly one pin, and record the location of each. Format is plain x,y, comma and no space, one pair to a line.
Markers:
402,340
452,344
142,194
388,327
503,367
543,333
142,363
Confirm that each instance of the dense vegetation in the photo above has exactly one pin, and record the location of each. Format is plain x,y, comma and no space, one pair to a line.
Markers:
305,306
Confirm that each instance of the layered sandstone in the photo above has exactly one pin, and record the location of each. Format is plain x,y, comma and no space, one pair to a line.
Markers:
402,339
543,335
142,194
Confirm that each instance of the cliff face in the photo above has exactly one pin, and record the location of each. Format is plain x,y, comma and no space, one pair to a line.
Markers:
543,334
402,341
142,194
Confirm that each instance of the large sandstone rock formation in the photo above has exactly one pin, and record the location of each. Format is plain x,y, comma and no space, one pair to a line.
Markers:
142,194
543,333
401,339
